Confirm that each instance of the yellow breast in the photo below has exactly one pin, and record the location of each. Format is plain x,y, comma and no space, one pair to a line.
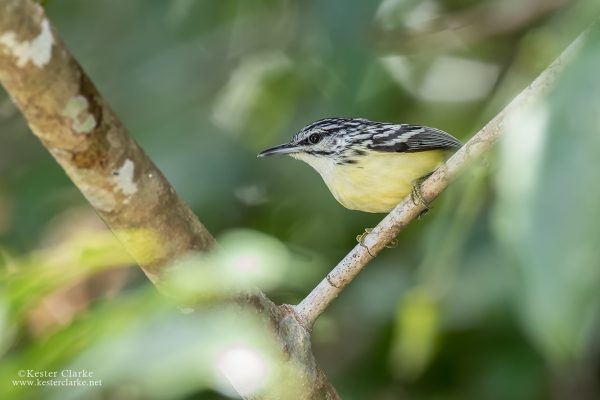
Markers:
378,181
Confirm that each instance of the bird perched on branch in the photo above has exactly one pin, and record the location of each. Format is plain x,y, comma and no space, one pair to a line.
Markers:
369,166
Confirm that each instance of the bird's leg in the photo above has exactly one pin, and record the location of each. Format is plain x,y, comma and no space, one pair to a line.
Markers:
417,197
360,239
415,194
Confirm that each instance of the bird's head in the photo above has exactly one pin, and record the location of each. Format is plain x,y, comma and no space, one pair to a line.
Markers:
327,141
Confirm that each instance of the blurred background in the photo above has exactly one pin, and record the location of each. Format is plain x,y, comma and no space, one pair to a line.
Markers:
494,294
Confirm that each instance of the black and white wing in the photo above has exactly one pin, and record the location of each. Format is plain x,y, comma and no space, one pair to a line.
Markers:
411,138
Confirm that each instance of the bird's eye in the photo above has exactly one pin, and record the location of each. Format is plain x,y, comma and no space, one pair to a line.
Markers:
314,138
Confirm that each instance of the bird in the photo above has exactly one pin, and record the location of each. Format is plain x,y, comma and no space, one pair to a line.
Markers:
369,166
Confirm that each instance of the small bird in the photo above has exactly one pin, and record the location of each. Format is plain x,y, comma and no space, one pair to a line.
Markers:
369,166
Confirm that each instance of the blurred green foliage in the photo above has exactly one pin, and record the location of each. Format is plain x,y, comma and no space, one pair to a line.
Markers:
494,294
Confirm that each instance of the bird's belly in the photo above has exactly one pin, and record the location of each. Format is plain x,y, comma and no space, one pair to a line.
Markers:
379,181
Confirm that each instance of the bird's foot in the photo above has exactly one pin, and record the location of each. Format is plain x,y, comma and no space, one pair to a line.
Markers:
360,239
392,244
417,197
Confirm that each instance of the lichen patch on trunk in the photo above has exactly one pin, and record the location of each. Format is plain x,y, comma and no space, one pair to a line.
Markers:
38,50
123,179
77,112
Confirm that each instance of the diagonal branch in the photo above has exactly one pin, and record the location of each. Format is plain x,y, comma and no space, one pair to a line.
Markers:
76,125
72,120
347,269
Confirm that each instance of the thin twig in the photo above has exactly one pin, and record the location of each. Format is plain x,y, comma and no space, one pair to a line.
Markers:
476,24
309,309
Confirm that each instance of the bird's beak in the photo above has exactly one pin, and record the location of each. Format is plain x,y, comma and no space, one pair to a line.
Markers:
287,148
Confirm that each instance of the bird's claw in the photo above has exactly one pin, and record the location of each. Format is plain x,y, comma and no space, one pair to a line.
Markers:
417,197
360,239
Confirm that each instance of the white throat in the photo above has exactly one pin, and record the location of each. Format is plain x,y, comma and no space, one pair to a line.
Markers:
323,165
